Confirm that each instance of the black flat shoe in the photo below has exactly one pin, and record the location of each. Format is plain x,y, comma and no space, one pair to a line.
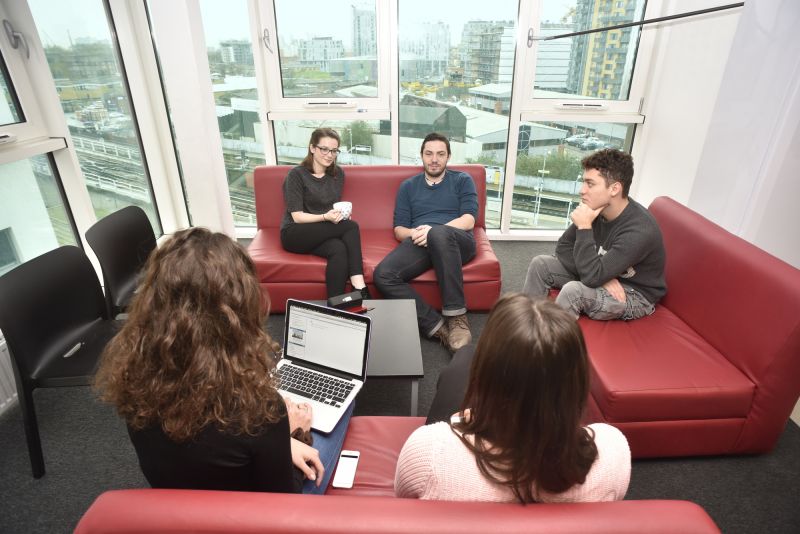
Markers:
365,293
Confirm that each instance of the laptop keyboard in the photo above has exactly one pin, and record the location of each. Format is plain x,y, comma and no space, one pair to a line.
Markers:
312,385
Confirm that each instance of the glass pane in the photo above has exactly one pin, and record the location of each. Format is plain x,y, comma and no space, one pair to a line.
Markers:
456,71
363,142
327,48
595,66
33,217
233,78
82,55
10,110
549,173
169,115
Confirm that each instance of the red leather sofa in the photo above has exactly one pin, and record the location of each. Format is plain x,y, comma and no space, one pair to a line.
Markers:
716,368
370,506
372,189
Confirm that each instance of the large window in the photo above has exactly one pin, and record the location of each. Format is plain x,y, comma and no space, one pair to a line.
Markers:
456,73
384,73
233,78
593,66
361,143
330,55
548,169
327,55
33,215
82,55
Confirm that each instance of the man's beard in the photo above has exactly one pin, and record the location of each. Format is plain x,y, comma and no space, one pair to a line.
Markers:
438,174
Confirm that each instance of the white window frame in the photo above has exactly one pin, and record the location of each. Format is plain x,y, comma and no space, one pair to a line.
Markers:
341,108
526,108
33,126
139,59
526,64
53,135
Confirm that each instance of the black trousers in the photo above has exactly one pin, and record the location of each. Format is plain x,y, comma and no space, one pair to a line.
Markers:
339,243
451,386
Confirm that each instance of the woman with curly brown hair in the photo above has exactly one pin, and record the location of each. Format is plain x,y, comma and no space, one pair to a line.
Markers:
518,435
191,374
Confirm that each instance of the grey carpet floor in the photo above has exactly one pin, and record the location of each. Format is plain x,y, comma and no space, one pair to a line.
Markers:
87,450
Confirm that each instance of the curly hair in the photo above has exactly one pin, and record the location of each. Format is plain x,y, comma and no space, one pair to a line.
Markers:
528,387
192,351
613,165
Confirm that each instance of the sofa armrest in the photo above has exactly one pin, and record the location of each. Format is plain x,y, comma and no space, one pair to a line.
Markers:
211,512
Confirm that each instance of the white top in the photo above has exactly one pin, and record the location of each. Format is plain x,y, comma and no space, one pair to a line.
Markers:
434,464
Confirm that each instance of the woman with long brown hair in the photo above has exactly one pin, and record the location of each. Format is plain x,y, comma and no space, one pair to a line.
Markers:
313,225
191,373
518,435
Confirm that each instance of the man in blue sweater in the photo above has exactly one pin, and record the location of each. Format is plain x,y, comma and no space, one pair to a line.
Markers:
609,263
434,215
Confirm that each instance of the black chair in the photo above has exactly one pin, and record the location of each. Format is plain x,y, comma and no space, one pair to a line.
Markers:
56,325
122,242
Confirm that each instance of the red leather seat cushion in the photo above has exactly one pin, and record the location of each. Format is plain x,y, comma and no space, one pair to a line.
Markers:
273,263
379,439
658,368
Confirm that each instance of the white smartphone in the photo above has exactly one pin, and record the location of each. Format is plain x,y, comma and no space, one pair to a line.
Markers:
346,469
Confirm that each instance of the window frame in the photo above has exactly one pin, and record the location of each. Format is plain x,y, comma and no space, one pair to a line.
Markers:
18,65
527,59
322,108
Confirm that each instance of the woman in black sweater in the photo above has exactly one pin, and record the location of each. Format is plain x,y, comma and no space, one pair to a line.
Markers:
311,224
191,374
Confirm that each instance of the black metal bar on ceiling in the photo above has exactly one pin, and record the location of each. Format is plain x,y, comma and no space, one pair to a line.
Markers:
532,37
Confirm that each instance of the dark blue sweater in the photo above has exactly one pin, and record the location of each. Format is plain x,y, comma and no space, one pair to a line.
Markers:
419,203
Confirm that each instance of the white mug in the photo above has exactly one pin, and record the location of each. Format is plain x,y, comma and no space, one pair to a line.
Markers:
345,208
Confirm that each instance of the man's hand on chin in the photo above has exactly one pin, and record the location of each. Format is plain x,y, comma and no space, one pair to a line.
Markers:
583,216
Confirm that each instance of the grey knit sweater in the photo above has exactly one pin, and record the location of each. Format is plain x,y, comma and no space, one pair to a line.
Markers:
629,248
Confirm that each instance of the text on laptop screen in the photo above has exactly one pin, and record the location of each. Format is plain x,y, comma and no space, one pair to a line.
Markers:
326,340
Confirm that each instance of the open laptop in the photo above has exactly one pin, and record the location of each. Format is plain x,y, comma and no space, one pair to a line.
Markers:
324,362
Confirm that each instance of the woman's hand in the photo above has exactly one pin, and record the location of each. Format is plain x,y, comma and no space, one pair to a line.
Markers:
306,459
334,216
299,415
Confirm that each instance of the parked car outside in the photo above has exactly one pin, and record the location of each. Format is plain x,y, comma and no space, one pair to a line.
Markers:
591,143
576,140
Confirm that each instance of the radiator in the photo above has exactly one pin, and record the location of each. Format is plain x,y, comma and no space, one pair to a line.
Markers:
8,388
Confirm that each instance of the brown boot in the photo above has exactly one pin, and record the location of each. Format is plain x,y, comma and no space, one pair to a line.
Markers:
443,335
458,332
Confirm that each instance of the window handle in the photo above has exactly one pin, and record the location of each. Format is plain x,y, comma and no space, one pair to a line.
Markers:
265,39
15,38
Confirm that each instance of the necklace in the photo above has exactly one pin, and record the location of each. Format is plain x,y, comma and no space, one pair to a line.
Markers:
431,182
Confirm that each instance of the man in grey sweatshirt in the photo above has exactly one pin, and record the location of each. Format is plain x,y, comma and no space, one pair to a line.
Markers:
609,264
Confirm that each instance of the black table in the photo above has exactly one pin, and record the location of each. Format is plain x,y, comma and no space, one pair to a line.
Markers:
395,351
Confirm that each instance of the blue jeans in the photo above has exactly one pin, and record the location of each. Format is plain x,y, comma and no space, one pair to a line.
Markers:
547,272
448,250
329,447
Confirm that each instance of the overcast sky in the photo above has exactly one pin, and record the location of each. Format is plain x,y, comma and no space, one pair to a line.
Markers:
59,20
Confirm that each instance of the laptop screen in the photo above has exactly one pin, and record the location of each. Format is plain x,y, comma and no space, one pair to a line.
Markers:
327,337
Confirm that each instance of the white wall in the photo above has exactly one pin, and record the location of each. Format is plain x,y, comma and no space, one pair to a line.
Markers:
722,133
687,69
747,177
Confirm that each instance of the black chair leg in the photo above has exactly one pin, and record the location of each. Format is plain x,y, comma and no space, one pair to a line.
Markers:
25,397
